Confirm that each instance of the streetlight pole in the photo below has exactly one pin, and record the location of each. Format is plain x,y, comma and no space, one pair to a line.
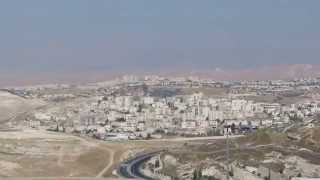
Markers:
227,149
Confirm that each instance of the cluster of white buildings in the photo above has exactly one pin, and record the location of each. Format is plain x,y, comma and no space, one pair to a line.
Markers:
189,115
195,114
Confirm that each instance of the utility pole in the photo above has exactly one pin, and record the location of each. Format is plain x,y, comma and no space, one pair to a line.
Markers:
227,149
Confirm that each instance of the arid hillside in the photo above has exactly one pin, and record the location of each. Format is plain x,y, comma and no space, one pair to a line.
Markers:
11,106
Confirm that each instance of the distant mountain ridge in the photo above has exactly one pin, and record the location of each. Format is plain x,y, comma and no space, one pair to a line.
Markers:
264,73
275,72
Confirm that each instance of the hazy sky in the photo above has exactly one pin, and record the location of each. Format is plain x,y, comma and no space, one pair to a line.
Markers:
48,36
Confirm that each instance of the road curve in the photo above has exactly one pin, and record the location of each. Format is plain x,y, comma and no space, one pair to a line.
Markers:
130,169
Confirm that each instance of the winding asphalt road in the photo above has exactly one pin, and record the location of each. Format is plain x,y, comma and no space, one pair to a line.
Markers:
130,169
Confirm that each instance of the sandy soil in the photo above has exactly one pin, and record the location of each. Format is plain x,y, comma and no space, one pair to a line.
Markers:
12,105
35,153
41,154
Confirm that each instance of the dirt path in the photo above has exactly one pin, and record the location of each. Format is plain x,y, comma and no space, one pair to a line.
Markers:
191,138
110,163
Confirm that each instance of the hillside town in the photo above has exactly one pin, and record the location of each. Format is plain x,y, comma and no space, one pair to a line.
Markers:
152,107
273,122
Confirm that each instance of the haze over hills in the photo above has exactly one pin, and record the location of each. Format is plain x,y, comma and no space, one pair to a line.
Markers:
267,72
175,89
58,41
258,73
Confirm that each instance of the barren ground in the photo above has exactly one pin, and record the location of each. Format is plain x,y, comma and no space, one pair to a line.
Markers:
12,105
36,153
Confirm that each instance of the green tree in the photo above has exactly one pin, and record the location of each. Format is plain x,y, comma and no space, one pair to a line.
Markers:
195,175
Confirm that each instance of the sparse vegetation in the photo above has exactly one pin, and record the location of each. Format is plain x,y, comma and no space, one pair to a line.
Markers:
265,136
